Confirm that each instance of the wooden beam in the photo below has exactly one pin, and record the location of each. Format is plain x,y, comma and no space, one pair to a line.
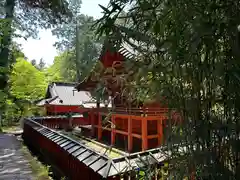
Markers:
139,136
153,136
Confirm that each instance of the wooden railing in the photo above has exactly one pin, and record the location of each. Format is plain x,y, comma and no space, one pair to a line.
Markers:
142,111
77,161
56,122
63,152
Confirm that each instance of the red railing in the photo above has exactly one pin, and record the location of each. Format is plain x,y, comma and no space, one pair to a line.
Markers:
56,122
38,137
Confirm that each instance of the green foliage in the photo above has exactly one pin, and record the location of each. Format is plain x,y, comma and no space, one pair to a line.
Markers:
12,110
40,171
24,17
27,83
87,46
63,68
79,45
192,50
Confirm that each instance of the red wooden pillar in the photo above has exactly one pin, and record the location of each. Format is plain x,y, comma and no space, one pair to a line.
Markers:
144,134
99,126
160,131
130,138
113,130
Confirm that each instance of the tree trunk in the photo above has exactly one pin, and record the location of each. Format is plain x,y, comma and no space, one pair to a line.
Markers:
6,42
5,45
77,54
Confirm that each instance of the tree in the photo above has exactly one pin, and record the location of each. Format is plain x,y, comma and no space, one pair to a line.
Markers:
66,32
18,14
77,40
193,59
34,62
63,68
27,84
87,46
24,16
41,64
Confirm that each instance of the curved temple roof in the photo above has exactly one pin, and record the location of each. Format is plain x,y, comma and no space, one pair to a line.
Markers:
59,93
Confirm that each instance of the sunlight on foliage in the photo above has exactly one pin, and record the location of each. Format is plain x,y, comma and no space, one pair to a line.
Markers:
26,81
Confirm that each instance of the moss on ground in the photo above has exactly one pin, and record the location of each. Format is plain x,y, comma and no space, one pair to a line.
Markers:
40,171
8,129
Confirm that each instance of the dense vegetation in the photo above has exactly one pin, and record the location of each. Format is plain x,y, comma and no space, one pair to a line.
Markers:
188,52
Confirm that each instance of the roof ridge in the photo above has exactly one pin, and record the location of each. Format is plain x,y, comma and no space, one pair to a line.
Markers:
63,83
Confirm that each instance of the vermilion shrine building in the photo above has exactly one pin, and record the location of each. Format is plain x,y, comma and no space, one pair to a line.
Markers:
141,127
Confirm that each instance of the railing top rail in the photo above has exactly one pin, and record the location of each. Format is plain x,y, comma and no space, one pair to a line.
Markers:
33,121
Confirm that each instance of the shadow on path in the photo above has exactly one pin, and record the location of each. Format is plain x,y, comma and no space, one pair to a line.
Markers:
13,165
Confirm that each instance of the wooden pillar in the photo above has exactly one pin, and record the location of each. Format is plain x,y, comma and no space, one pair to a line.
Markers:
160,131
144,134
130,138
99,126
113,130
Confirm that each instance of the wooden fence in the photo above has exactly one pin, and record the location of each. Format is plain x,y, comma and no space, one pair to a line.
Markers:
77,161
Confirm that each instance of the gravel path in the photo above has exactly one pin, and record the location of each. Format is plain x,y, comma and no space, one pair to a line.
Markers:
13,166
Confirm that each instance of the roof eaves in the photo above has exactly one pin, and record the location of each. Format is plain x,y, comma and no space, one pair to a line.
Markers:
64,83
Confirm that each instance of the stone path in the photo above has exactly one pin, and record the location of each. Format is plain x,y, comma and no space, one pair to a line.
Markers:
13,166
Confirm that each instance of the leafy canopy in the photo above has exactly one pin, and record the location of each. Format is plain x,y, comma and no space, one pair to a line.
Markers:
27,82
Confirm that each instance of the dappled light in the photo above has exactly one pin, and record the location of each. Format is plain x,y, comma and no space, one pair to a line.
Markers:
13,165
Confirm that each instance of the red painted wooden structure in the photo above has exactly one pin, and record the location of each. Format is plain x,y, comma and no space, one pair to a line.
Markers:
144,124
62,109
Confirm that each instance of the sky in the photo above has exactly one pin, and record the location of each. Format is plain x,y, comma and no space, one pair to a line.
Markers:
43,46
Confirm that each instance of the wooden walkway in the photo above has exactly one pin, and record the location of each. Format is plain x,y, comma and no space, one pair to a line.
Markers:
13,166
